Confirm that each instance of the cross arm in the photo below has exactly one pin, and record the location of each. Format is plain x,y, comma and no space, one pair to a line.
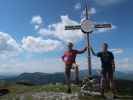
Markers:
72,27
103,26
78,27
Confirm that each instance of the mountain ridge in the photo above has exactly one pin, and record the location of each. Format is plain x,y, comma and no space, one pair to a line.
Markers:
38,78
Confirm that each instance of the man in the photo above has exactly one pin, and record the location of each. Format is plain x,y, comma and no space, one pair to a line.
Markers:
108,68
69,60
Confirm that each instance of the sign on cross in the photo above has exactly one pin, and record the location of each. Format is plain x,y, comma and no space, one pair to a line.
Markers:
78,27
87,26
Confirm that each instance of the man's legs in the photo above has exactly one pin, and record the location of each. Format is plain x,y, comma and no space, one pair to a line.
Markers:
103,81
76,73
68,77
111,81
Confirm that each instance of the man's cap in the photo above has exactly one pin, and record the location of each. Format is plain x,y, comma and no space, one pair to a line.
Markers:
105,44
70,44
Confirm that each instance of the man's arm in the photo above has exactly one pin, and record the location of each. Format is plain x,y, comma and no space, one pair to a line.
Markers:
93,52
113,62
113,65
81,51
63,57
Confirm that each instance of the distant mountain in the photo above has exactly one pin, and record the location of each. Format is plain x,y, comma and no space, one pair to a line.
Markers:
44,78
40,78
125,76
118,74
2,77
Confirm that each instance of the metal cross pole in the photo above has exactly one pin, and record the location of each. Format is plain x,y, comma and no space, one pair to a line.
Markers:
89,55
87,26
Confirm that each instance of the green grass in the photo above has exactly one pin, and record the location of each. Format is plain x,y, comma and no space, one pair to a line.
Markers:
16,90
47,88
20,89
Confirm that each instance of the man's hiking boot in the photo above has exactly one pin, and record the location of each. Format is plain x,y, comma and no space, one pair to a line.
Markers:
69,91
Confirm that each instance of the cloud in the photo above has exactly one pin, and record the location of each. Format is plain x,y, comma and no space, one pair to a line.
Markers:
46,65
117,51
39,45
8,45
124,64
46,32
77,6
107,2
58,31
37,21
91,11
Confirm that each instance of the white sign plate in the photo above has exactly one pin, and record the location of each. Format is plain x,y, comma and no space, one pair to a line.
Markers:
87,26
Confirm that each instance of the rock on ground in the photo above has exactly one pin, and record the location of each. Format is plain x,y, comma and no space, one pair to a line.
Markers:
47,96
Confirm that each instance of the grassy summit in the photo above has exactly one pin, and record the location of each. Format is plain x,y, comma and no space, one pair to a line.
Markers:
22,92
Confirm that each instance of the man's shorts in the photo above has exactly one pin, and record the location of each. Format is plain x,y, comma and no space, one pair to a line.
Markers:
107,72
68,68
